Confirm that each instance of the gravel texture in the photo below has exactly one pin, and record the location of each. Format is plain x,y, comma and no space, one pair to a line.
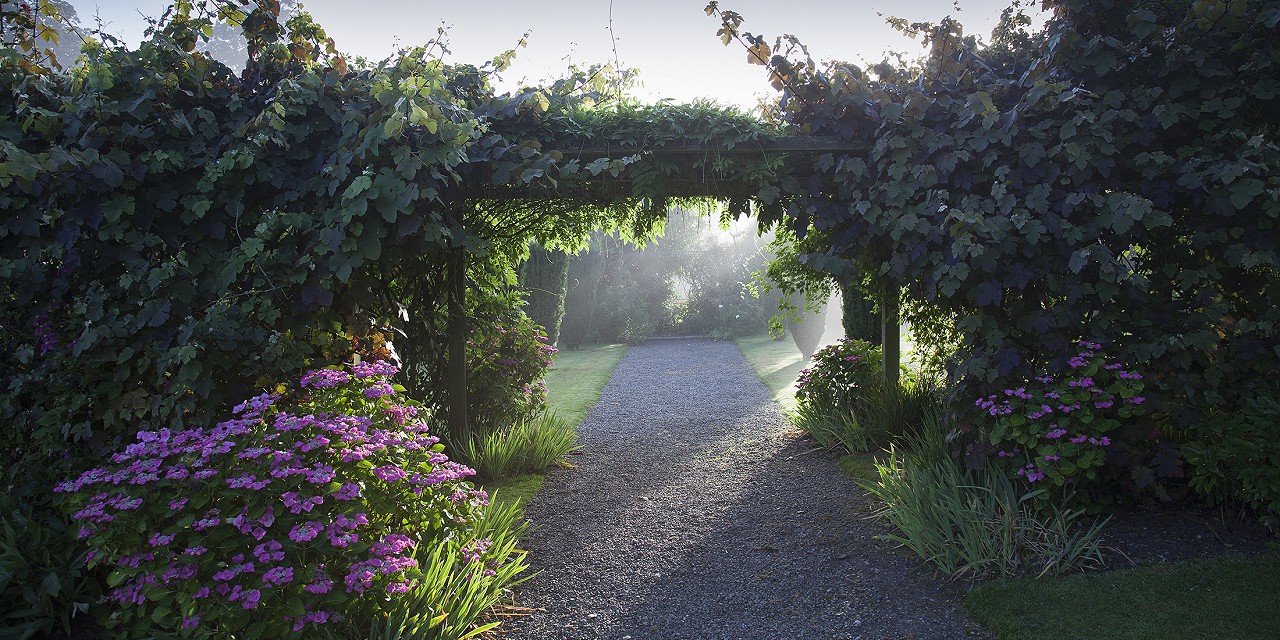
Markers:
695,512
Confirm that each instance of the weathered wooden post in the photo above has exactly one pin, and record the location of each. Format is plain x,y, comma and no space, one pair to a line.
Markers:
456,332
890,331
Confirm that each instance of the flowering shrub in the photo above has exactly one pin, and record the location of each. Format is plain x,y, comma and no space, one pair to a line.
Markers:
304,509
506,363
839,373
1058,429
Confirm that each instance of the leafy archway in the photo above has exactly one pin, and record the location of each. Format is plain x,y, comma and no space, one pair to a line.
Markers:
177,235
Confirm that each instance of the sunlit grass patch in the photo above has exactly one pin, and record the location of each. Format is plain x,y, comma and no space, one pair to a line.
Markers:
517,489
777,363
576,378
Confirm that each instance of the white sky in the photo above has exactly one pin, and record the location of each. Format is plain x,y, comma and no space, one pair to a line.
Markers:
671,42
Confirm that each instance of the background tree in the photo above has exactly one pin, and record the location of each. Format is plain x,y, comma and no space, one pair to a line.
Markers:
544,276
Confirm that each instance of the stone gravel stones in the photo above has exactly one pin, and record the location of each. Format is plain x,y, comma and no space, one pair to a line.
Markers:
695,511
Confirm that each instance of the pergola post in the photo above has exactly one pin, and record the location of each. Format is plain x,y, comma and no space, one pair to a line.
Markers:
890,333
456,333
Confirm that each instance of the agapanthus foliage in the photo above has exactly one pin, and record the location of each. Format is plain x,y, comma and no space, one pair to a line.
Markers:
303,510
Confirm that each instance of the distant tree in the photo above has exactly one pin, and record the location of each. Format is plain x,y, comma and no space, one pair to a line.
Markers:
544,276
618,292
858,315
806,326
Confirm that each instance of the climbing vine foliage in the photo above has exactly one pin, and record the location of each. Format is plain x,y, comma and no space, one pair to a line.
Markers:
1110,177
176,235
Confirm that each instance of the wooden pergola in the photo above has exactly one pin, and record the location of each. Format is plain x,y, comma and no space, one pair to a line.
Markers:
603,189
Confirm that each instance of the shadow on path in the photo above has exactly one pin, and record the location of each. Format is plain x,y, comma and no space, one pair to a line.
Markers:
695,512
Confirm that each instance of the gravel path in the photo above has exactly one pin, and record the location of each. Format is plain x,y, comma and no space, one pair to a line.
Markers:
694,512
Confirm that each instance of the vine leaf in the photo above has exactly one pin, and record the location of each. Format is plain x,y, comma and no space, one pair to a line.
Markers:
759,53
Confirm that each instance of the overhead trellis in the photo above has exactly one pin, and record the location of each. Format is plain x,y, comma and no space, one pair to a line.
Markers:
634,162
176,234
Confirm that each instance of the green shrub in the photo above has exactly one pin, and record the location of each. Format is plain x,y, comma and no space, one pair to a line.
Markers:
300,514
1059,429
544,277
1236,455
45,583
840,373
459,583
532,443
506,362
843,401
858,315
974,523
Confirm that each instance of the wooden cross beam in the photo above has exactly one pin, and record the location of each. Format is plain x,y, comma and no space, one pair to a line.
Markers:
794,144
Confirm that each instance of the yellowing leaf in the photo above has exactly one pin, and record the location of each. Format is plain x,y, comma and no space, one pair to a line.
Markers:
759,53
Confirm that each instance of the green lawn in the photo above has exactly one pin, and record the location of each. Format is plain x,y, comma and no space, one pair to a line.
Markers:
574,383
518,489
1237,598
777,363
575,380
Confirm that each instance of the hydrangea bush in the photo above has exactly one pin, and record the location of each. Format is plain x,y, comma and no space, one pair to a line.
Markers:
507,362
1057,430
300,514
839,372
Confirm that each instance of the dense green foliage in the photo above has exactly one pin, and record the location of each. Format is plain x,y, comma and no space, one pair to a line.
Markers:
178,236
506,363
859,316
45,581
1238,460
1112,177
